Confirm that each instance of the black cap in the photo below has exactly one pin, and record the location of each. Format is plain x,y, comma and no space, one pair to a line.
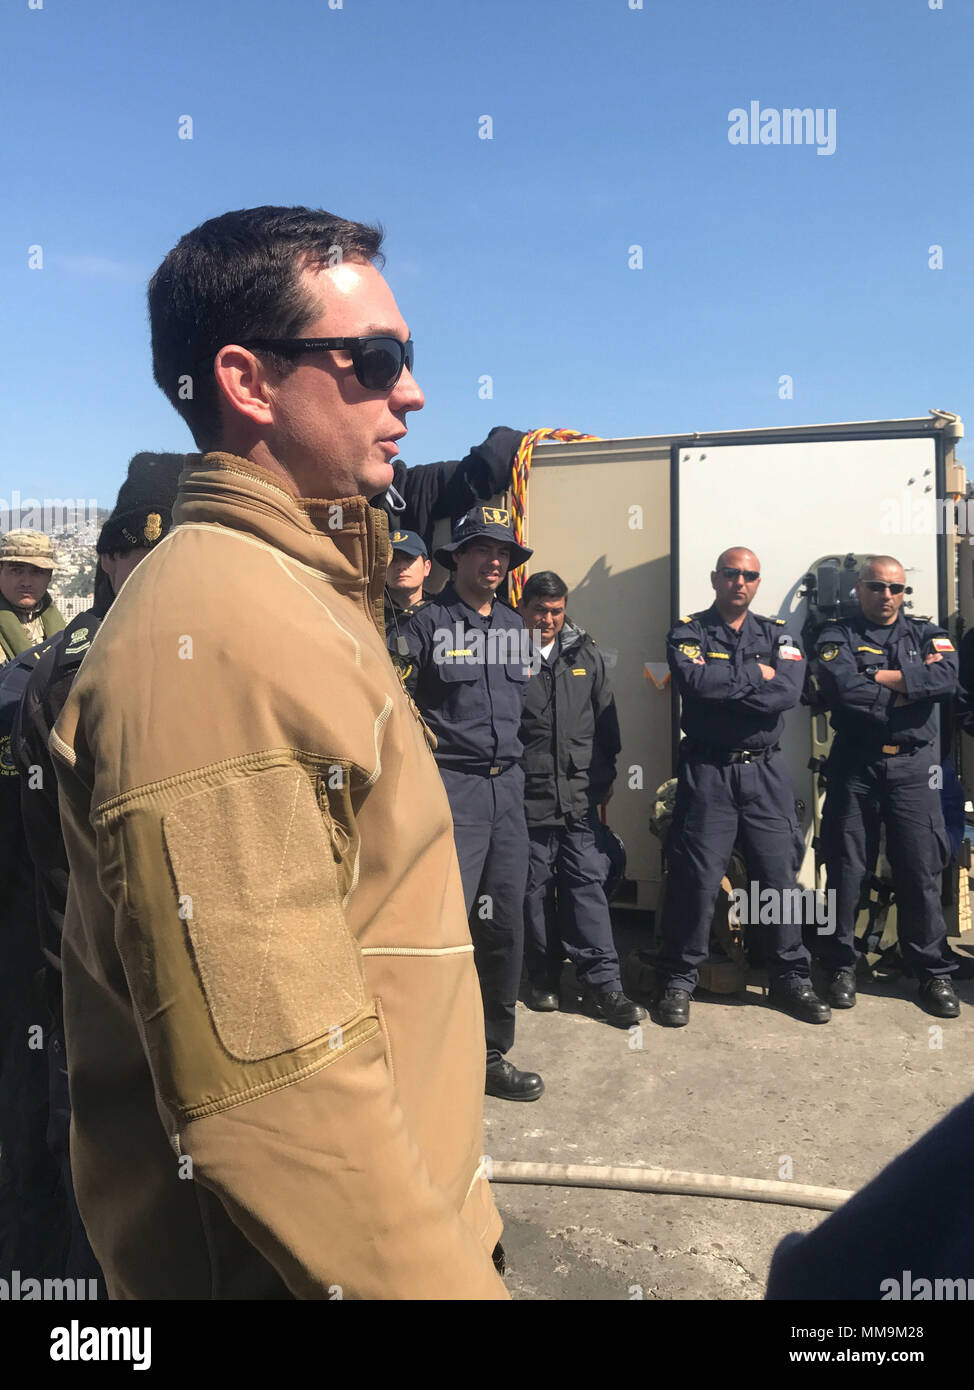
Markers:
143,511
409,541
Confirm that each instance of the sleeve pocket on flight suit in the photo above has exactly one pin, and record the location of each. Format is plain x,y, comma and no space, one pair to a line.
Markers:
254,857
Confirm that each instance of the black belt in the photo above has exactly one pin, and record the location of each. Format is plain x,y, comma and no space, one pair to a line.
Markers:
858,753
726,756
479,769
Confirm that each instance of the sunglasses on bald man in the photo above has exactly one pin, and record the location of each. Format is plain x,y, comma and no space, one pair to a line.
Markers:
748,576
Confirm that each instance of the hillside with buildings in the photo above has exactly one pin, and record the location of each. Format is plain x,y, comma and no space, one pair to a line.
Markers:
73,584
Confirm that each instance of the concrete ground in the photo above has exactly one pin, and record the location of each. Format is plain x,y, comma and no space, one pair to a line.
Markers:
742,1091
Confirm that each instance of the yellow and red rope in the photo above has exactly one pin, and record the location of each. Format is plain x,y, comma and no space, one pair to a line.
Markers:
519,489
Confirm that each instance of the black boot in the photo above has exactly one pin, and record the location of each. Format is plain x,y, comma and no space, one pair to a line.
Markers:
542,998
842,989
505,1081
938,998
615,1008
673,1008
796,997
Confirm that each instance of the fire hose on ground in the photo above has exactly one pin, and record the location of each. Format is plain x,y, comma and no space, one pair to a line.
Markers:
791,1194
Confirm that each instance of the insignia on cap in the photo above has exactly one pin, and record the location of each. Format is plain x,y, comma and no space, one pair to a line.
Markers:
152,529
830,651
398,535
496,516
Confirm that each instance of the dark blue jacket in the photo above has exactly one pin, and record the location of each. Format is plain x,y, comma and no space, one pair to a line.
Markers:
727,703
570,732
468,677
864,713
14,859
47,689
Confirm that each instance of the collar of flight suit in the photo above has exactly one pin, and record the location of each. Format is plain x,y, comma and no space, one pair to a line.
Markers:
343,538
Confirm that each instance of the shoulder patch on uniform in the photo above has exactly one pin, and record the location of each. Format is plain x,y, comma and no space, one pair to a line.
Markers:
942,644
8,767
690,649
829,651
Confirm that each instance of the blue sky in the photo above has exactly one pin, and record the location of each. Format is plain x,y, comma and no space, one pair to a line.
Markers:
509,257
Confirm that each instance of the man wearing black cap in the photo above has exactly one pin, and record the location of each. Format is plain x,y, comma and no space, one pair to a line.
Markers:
471,659
408,568
141,517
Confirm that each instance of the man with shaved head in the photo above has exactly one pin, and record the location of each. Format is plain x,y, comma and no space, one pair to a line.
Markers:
882,674
737,675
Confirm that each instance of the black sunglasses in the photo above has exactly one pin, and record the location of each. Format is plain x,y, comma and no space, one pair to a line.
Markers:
378,359
875,586
749,575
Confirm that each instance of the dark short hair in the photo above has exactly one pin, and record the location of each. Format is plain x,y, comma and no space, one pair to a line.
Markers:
544,585
237,277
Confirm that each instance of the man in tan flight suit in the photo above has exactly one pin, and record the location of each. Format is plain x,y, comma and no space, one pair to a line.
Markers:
274,1028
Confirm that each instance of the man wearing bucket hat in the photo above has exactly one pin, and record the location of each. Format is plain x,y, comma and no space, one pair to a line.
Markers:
27,613
472,656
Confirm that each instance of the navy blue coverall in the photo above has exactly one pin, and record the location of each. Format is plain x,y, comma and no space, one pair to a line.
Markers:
884,768
468,678
733,785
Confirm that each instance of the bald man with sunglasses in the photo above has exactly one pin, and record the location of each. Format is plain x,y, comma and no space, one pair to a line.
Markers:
737,675
882,675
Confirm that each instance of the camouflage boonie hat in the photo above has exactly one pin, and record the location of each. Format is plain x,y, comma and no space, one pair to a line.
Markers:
28,548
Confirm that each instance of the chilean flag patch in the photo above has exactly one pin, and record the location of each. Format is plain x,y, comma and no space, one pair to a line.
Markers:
942,644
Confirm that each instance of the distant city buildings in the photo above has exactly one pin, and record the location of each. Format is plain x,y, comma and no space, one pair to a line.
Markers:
70,607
